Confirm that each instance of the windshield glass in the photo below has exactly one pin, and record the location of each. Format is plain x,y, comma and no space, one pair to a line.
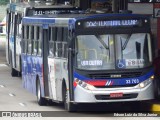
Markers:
119,51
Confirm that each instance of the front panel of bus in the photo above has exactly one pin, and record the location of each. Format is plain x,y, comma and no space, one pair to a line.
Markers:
113,60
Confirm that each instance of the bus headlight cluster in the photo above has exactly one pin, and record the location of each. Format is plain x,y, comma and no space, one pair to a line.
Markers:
146,82
83,84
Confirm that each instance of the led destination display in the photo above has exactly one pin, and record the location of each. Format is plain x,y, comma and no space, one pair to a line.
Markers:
112,23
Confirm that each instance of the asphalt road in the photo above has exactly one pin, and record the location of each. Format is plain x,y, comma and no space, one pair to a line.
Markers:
19,102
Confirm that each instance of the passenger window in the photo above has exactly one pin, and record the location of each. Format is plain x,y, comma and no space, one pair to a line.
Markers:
30,40
52,39
58,44
39,39
64,43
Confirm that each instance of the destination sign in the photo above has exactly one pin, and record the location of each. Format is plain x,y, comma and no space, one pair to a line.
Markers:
112,23
53,11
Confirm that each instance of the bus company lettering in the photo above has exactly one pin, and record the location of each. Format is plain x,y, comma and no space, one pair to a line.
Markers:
111,23
91,63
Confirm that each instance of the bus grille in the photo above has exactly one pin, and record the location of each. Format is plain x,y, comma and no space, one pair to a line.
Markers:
122,74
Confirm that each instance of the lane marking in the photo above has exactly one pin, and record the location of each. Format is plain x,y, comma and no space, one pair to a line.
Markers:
12,95
22,104
3,65
2,86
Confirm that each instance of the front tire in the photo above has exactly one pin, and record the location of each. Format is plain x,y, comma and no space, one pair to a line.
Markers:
67,105
41,101
14,73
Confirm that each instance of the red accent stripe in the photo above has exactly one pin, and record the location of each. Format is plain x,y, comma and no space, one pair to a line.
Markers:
96,82
74,84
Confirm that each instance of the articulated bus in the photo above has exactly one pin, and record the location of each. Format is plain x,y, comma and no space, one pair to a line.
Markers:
15,13
82,58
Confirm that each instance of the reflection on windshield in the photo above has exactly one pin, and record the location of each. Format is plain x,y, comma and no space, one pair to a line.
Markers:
121,51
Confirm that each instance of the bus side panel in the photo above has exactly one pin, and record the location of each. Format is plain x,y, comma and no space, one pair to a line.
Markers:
64,67
31,68
34,74
39,72
52,80
24,70
58,78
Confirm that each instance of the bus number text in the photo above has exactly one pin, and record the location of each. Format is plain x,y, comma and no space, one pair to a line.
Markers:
132,81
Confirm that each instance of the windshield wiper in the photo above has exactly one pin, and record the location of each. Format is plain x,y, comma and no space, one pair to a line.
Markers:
104,44
126,42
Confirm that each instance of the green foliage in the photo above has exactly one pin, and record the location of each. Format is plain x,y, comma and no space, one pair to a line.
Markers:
4,2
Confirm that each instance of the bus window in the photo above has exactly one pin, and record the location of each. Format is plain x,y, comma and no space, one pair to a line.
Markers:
35,42
64,43
32,39
29,41
22,42
58,52
51,41
19,25
39,41
25,39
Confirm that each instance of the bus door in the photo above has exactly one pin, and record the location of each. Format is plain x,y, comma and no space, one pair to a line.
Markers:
57,61
51,61
54,62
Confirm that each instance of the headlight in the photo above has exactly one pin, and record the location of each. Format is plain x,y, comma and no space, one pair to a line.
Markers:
146,82
83,84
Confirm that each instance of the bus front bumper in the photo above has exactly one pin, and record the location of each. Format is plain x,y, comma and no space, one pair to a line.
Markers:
98,95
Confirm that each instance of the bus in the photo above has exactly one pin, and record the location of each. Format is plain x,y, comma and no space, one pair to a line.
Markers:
87,58
15,12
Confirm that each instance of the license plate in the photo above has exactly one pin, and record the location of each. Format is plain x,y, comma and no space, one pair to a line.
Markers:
116,95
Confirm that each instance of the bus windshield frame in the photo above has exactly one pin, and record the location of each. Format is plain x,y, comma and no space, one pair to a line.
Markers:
113,51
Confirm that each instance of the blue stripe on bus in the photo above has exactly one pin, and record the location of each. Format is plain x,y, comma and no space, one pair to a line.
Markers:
119,81
38,20
44,19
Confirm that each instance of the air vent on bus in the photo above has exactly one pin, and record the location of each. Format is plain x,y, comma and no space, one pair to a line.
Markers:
115,75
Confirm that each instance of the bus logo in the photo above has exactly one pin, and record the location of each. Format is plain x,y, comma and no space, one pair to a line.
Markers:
115,76
109,83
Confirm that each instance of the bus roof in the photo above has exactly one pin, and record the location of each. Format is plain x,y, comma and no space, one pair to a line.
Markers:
20,7
41,4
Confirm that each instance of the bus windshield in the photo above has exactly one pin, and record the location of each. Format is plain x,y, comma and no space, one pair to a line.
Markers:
118,51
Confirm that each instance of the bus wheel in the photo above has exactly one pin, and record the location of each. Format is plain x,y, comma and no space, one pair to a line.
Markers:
67,105
14,72
41,101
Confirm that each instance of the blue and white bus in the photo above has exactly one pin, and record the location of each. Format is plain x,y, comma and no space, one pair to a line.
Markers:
15,12
82,58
